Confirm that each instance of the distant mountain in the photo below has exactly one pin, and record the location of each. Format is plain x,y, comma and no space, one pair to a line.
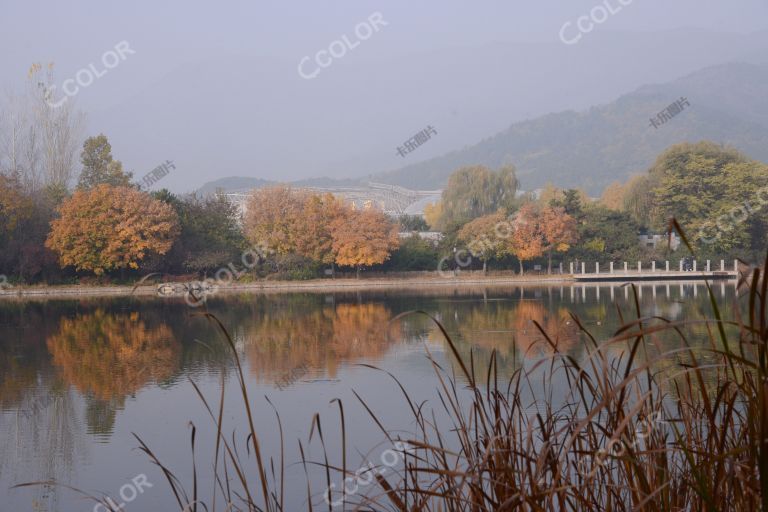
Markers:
328,182
233,184
590,149
246,114
243,184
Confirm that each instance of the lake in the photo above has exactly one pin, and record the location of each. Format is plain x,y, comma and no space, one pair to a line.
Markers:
79,377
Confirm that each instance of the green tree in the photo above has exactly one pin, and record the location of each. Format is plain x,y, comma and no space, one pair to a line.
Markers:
703,186
99,168
210,236
472,192
607,235
414,253
572,201
413,223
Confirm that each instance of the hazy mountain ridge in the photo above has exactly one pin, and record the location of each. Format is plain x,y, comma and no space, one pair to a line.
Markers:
590,149
244,184
245,114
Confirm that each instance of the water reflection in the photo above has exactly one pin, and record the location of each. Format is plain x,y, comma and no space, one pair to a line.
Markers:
68,369
321,337
111,355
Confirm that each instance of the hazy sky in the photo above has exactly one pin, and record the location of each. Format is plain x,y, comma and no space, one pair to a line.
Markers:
167,35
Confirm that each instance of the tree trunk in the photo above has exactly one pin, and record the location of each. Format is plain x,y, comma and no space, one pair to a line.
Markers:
549,262
485,267
522,272
357,273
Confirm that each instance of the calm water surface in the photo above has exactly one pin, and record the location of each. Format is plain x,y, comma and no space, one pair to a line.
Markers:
78,377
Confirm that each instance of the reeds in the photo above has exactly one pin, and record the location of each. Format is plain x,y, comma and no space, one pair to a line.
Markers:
640,429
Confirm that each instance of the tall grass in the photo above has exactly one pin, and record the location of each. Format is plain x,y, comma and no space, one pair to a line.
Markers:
640,429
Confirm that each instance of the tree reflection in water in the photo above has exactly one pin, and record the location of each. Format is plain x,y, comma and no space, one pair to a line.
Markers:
108,356
320,337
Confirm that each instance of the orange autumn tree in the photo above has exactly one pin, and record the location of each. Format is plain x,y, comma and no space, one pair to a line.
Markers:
527,240
363,238
559,230
314,239
289,221
111,228
271,217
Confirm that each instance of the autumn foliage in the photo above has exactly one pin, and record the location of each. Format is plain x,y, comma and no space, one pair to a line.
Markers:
528,234
319,227
113,355
109,228
363,238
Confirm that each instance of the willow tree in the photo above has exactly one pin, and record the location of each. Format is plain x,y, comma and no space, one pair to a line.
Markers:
475,191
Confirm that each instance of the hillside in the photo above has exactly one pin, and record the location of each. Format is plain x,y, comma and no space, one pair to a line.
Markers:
590,149
244,184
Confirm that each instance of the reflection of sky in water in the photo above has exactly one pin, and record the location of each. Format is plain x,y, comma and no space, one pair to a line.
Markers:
77,378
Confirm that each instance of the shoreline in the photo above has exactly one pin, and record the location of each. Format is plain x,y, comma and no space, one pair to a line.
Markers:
320,285
316,285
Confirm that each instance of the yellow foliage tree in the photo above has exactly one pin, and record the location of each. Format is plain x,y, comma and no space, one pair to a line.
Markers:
433,212
527,240
485,236
613,196
108,228
363,238
271,218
